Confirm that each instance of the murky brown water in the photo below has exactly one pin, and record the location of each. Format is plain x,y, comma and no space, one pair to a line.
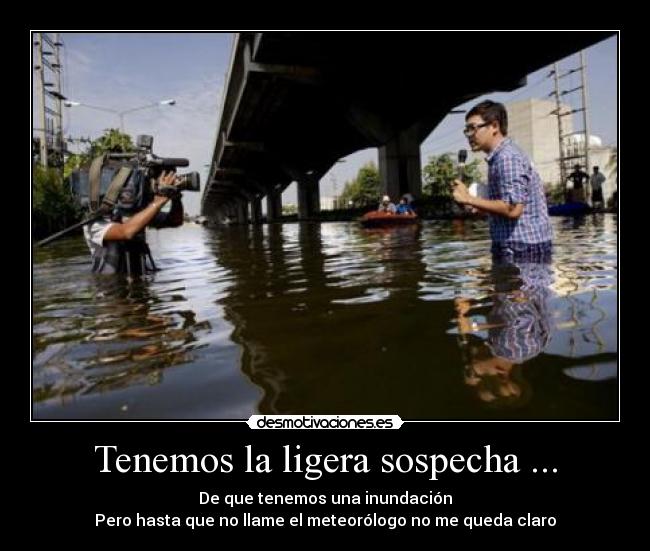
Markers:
331,318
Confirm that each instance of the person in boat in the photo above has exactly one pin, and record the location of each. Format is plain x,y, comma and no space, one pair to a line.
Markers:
386,205
516,207
404,207
578,178
597,180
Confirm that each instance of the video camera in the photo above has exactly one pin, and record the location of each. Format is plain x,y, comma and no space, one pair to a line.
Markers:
153,166
121,184
90,185
128,181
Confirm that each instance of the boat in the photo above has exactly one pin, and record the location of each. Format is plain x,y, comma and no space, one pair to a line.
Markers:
572,208
377,219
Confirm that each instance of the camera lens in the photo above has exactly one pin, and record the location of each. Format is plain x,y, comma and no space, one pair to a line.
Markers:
190,181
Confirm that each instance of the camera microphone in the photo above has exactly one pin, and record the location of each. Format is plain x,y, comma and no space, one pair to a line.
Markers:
171,162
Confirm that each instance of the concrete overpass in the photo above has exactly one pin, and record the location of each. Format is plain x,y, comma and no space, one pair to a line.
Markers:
296,102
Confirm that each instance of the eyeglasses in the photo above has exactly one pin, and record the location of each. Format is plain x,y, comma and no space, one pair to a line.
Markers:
471,128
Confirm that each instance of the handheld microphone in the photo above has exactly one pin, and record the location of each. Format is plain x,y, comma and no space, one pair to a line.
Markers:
462,157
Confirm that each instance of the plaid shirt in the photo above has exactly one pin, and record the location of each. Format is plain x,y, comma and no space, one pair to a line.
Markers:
522,322
511,178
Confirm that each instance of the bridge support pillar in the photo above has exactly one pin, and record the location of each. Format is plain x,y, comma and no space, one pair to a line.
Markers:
308,197
399,165
273,206
241,211
230,213
256,210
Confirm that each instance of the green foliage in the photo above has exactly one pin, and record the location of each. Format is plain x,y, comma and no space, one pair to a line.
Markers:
112,141
288,210
53,207
442,170
363,190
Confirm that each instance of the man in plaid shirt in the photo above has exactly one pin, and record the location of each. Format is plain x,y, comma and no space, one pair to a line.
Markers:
517,210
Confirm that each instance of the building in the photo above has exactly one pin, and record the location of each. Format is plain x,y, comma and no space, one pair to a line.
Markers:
327,203
533,126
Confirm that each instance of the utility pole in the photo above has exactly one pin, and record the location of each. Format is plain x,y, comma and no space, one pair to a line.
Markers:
558,106
58,119
585,119
567,155
47,65
40,72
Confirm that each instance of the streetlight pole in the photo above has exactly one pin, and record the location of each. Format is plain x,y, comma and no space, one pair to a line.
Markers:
149,105
120,114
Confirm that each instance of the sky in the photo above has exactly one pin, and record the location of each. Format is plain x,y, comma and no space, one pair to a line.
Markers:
121,71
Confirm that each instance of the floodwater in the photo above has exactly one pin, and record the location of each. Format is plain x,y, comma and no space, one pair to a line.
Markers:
331,318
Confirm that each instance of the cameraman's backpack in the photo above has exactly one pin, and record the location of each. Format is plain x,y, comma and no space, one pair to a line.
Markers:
97,178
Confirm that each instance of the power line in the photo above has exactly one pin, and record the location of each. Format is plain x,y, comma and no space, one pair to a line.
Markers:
567,157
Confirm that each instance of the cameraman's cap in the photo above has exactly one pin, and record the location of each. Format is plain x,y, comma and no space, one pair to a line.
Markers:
385,199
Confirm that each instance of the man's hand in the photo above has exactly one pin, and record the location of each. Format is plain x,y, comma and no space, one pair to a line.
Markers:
167,178
461,193
166,185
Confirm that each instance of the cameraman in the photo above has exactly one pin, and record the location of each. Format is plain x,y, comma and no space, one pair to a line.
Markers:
117,241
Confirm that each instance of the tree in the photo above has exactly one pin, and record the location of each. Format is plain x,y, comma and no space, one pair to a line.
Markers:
289,209
53,207
350,190
364,189
112,141
441,170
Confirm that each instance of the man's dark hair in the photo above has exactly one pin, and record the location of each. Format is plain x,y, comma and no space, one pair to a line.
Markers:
491,111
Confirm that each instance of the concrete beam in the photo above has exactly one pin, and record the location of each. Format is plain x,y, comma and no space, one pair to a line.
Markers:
308,197
274,205
246,60
298,73
256,210
399,165
370,125
242,212
228,172
257,147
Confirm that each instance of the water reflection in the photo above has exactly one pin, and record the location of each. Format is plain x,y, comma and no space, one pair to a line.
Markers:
309,304
335,318
124,335
517,328
332,318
